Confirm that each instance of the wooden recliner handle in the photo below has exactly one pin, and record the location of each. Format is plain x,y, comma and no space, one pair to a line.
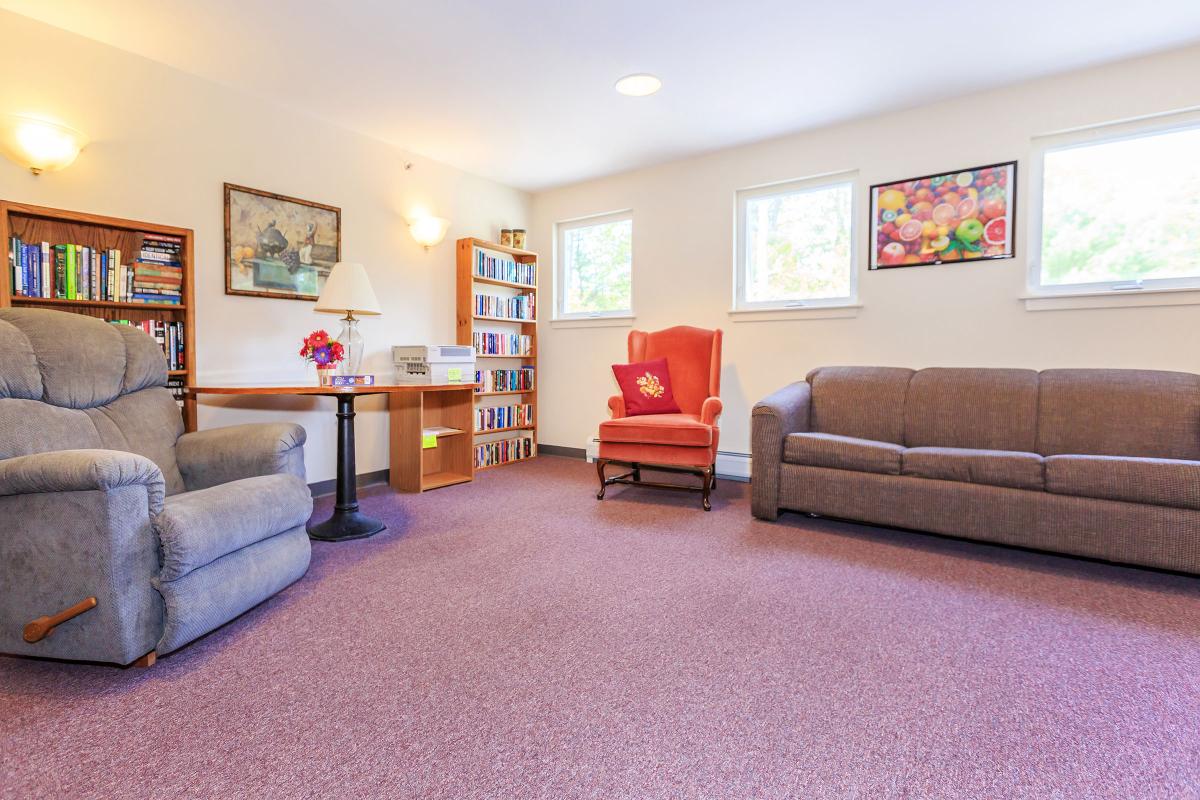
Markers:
42,627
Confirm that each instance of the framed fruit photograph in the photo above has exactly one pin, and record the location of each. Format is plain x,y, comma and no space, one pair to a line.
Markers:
963,215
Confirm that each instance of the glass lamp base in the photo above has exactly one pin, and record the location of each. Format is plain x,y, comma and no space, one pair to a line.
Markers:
352,346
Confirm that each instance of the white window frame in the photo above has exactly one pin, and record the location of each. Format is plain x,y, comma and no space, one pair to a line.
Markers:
560,283
809,184
1082,137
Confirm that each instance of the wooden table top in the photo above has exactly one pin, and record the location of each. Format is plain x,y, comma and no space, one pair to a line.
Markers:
329,391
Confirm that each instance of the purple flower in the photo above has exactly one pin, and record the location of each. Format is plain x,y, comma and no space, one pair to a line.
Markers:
321,356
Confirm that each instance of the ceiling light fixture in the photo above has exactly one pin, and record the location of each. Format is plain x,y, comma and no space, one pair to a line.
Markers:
37,144
639,85
428,231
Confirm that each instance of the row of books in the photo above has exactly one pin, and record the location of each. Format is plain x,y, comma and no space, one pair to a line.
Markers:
501,452
158,270
490,418
502,344
504,268
521,307
504,380
169,336
81,272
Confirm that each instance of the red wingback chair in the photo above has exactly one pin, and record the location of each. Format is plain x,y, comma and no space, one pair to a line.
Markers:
684,442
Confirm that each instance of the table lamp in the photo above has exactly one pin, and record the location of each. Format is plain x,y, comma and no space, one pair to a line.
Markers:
348,291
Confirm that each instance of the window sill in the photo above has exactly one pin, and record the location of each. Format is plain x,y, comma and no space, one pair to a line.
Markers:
847,311
1132,298
622,321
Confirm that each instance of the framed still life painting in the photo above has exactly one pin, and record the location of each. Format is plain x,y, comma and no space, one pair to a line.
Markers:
278,246
963,215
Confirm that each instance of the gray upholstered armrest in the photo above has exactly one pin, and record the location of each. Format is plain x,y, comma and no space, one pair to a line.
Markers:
220,455
77,524
81,471
774,417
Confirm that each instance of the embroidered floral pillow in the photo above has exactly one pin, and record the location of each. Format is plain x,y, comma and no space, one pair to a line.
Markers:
646,387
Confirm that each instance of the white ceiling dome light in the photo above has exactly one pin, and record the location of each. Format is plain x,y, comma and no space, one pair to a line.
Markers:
641,84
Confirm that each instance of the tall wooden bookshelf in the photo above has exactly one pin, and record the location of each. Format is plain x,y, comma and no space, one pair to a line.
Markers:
39,224
470,283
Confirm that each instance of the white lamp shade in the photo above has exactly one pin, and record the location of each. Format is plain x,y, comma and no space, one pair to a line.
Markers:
348,289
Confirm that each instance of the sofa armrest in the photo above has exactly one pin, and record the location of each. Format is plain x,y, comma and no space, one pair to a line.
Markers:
616,405
711,410
220,455
82,471
78,524
773,418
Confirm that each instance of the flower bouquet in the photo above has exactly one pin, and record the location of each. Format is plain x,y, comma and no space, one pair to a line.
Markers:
323,351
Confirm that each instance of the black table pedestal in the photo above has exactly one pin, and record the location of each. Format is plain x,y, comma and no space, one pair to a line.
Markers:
347,522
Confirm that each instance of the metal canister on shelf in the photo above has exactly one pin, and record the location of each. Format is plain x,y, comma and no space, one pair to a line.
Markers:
506,237
518,238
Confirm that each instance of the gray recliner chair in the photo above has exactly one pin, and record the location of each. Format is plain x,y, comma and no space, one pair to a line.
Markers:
103,495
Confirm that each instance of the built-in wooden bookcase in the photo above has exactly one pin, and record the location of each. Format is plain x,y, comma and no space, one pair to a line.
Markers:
38,224
471,283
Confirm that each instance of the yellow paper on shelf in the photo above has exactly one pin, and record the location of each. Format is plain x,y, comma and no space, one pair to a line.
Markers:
454,374
428,440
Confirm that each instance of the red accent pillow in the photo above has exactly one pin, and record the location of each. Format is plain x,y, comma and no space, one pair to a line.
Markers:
646,387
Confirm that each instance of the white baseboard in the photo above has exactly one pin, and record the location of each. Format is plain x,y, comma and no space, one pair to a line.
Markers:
732,466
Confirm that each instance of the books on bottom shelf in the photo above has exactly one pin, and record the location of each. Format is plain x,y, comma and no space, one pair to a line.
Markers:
503,451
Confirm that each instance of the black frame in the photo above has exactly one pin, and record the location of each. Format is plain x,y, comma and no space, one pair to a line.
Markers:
1012,216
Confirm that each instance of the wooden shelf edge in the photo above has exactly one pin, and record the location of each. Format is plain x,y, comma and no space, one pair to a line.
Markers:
512,391
18,299
500,282
496,355
505,319
499,248
502,430
436,480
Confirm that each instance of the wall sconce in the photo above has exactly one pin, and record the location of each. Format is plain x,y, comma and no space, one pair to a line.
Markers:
38,145
428,231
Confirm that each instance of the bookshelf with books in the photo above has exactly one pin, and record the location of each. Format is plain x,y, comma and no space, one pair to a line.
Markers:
119,270
497,302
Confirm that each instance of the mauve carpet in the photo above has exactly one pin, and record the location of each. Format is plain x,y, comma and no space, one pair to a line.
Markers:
516,638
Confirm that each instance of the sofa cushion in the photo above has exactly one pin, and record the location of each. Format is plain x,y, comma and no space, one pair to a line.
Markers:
1119,412
1155,481
197,528
1009,468
842,452
677,429
862,402
983,409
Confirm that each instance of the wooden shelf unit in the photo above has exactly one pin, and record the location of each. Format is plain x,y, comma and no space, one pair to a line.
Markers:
32,224
415,468
468,285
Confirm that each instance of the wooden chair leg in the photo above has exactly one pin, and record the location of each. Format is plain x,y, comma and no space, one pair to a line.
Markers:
637,471
146,660
708,485
600,464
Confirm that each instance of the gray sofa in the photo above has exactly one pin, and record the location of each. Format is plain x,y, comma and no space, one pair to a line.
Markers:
1091,462
103,495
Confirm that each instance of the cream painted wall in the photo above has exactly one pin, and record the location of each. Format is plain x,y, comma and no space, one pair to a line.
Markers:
162,145
954,315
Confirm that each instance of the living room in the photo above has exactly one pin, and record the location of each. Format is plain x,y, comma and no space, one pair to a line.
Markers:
911,304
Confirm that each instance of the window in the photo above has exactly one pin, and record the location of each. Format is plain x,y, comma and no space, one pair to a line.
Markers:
595,267
1119,208
795,245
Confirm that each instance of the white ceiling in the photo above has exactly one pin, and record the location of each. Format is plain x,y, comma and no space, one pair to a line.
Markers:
521,91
